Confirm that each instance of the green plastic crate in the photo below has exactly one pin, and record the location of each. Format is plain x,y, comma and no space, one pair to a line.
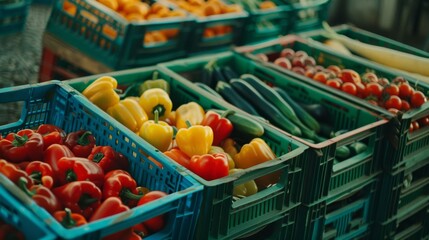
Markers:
309,15
266,24
13,15
320,174
402,146
365,37
107,37
221,216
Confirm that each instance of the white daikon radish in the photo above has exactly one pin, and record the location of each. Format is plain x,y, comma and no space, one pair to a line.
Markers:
337,46
386,56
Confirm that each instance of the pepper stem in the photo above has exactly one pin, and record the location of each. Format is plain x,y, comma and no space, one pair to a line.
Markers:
188,124
22,183
156,116
19,140
98,157
83,139
126,193
227,113
68,221
70,176
155,75
160,108
37,176
86,200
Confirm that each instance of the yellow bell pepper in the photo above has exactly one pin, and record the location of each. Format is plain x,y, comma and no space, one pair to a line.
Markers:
156,99
158,133
129,113
229,146
253,153
154,83
216,149
191,112
246,189
102,92
195,140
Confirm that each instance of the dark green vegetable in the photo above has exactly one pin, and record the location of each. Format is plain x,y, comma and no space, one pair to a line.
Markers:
318,111
244,124
218,75
357,147
228,73
208,89
303,115
231,96
342,153
326,130
207,73
264,107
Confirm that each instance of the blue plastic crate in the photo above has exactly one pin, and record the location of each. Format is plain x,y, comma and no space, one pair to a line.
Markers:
13,15
222,216
12,212
51,103
107,37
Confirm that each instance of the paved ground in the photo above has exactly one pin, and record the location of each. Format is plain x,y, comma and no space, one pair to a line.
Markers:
20,55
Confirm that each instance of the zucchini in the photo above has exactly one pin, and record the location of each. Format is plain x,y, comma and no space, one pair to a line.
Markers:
243,124
218,75
229,74
317,110
207,73
265,107
278,102
305,117
342,153
208,89
231,96
357,147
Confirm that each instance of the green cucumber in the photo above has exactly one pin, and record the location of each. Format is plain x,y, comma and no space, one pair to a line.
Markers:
243,124
228,73
302,114
208,89
317,110
342,153
231,96
357,147
268,110
278,102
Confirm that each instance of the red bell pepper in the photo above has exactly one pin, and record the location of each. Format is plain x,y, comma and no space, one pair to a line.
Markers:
69,219
72,169
41,173
157,223
81,197
26,145
178,156
54,153
210,166
141,230
80,142
108,159
14,173
121,185
109,207
51,134
221,126
41,195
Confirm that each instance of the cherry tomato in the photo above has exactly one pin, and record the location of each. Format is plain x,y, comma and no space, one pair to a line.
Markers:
310,71
298,70
321,77
416,125
287,53
349,75
373,89
424,121
335,69
301,53
335,83
411,128
405,90
391,90
298,62
309,61
157,223
349,88
399,80
383,81
360,89
405,105
393,102
417,99
369,77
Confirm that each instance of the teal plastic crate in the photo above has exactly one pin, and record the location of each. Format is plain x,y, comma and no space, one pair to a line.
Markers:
12,212
53,104
365,37
13,15
263,24
107,37
347,216
320,173
221,216
309,15
402,146
410,223
405,188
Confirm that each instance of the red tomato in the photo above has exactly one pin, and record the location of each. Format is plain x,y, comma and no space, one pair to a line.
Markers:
416,125
405,105
283,62
157,223
348,75
424,121
393,102
405,91
335,69
360,90
411,128
287,53
335,83
298,62
373,89
349,88
417,99
309,61
399,80
301,53
383,81
321,77
391,90
309,71
369,77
